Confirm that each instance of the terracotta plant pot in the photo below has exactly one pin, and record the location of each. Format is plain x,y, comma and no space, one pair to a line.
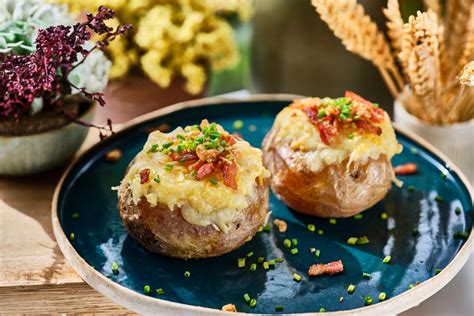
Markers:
455,140
136,95
42,141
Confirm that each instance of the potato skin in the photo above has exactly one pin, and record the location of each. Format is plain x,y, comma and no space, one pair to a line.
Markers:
165,231
331,192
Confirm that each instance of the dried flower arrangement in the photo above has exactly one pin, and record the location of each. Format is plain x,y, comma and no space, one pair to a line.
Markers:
172,38
433,50
45,73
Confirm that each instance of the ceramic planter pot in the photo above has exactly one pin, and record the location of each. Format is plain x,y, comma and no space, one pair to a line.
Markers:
455,140
29,152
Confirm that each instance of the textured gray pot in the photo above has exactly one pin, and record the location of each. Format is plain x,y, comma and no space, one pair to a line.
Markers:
29,154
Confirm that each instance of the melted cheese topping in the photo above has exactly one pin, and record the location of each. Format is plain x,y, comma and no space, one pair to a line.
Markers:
202,202
295,130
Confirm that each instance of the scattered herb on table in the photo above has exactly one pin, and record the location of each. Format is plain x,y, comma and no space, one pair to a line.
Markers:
247,297
279,308
363,240
241,262
457,210
411,188
266,266
322,310
437,271
382,296
260,259
358,216
320,232
461,235
147,289
296,277
384,216
415,232
250,254
115,267
294,251
341,299
294,241
160,291
352,240
75,216
287,243
387,259
332,221
351,288
187,274
366,275
311,227
238,124
72,236
253,302
439,199
253,267
368,300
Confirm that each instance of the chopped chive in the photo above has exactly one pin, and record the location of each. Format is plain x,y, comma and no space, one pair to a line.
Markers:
352,240
358,216
411,188
279,308
160,291
271,263
351,136
247,297
294,251
267,228
363,240
260,259
287,243
457,210
169,167
387,259
279,260
266,266
187,274
253,302
75,215
241,262
317,253
439,199
213,181
146,289
193,174
384,216
260,229
296,277
253,267
411,285
250,254
332,221
366,275
382,296
320,232
321,113
461,235
311,227
115,267
415,232
351,288
443,175
238,124
341,299
157,179
322,310
294,241
414,151
368,300
437,271
72,236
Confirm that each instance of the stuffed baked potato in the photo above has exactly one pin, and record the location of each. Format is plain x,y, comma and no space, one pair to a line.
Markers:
331,157
193,193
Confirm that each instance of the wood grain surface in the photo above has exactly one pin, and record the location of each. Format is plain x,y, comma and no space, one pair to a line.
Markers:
34,276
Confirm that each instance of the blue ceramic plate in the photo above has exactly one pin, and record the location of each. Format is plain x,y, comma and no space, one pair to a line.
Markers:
421,234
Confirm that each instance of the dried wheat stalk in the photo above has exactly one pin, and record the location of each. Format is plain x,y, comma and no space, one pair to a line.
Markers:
433,5
467,75
360,35
394,24
420,58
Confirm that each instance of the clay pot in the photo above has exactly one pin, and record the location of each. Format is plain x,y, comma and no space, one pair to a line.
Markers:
136,95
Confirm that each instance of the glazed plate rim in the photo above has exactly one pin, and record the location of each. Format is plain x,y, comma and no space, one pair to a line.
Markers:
145,304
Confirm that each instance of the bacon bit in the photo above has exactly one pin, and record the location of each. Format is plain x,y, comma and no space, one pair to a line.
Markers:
327,132
230,172
229,308
368,128
185,156
113,155
198,164
205,170
356,97
408,168
144,176
281,224
229,139
378,115
207,154
328,268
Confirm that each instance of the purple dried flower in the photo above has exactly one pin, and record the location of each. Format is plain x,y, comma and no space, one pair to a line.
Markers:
43,73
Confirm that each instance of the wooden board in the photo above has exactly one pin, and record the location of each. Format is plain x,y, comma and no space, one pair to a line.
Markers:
34,276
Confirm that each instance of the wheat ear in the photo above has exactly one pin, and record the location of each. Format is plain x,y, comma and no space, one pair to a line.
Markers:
420,59
360,35
394,24
433,5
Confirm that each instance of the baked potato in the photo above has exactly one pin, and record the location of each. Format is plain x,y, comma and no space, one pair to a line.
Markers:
195,192
331,157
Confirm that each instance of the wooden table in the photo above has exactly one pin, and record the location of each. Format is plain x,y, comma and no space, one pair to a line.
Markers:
34,277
